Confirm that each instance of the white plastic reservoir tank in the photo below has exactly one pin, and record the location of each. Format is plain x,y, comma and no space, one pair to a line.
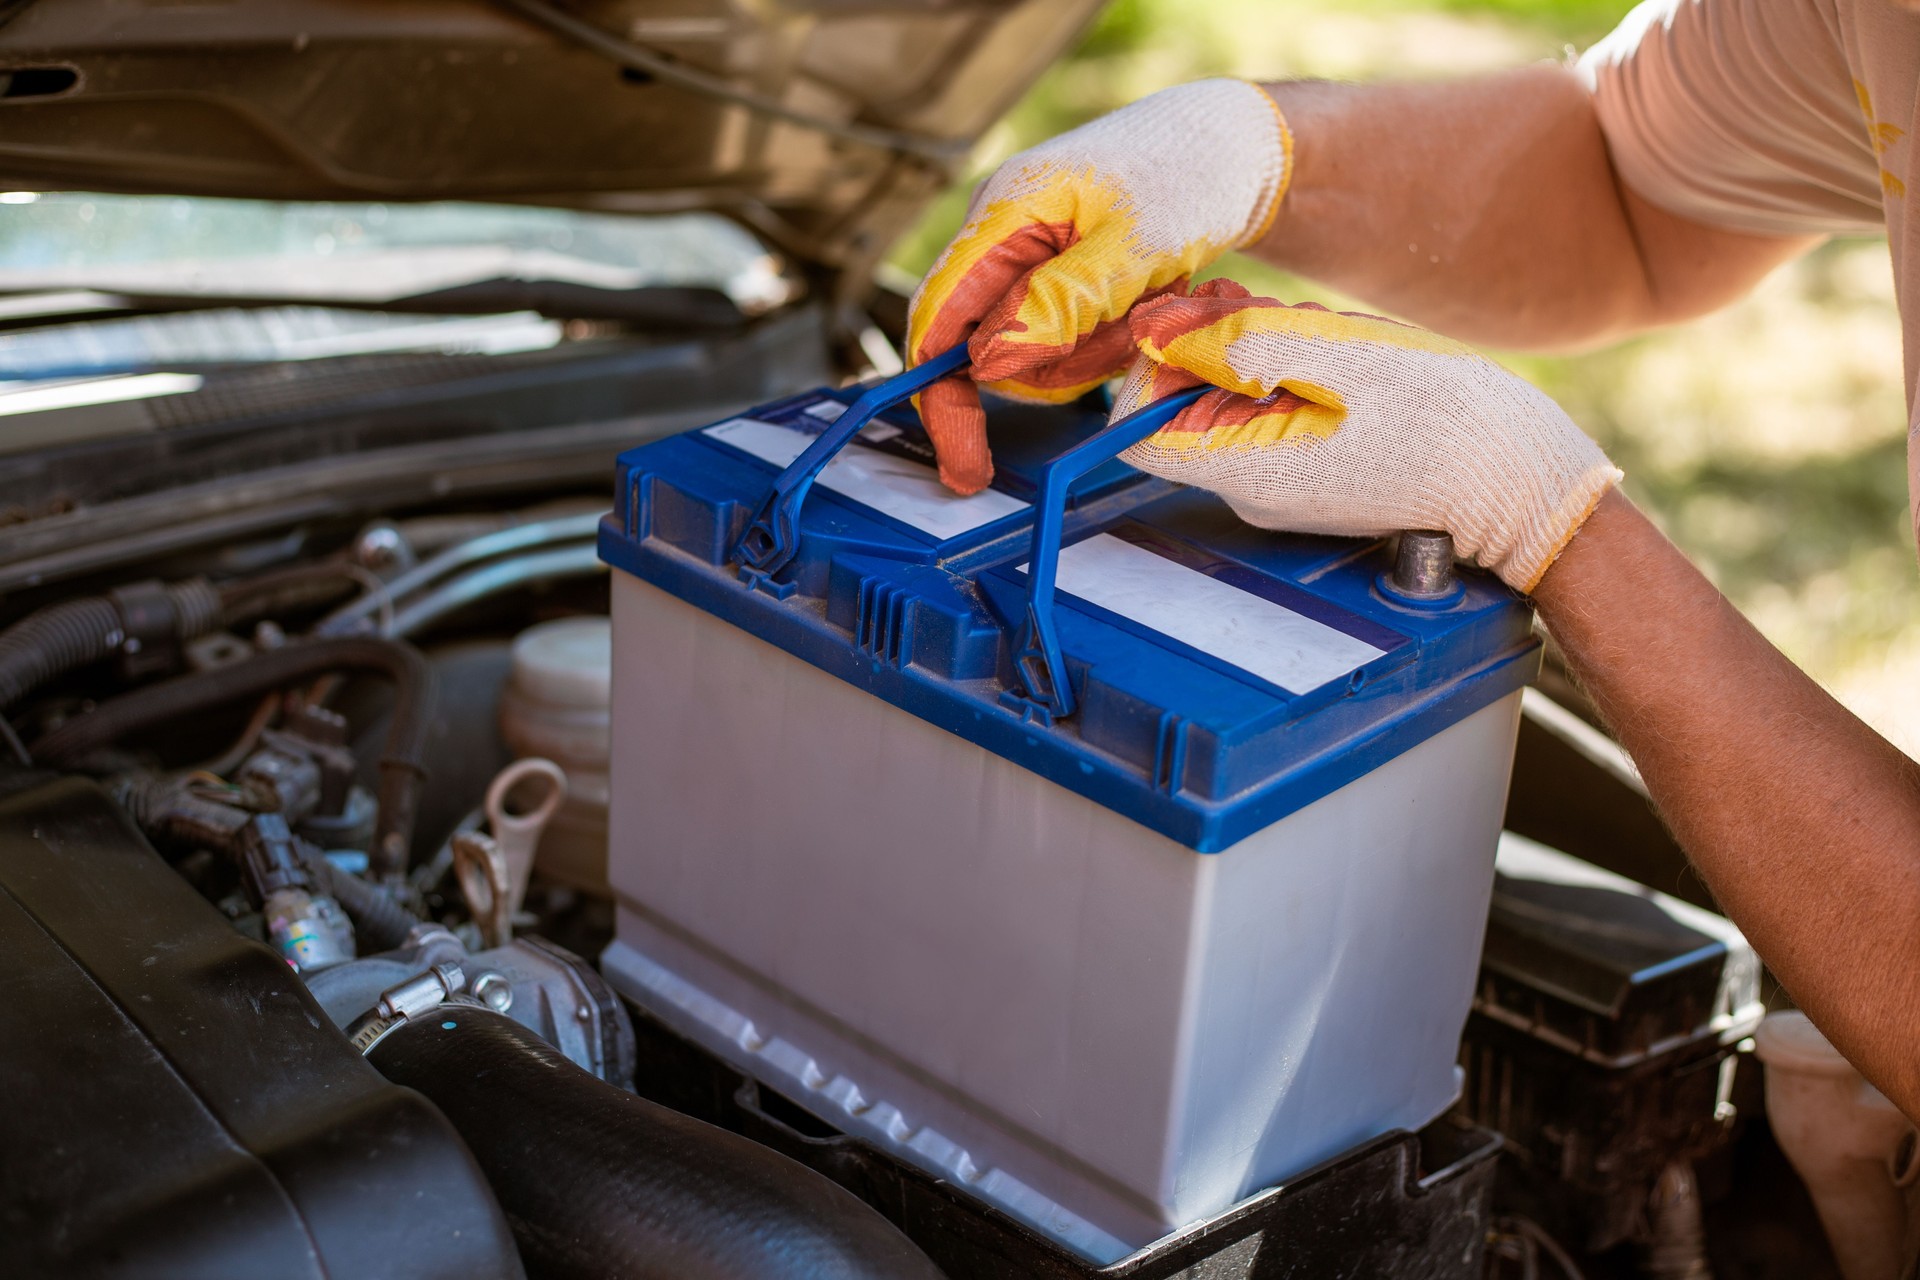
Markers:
557,704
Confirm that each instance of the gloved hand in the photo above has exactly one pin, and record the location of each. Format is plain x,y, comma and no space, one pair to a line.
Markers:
1330,422
1062,239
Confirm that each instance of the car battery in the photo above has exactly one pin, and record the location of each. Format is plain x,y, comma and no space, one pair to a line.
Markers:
1073,841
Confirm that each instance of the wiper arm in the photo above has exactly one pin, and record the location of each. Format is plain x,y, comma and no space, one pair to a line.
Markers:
660,306
675,307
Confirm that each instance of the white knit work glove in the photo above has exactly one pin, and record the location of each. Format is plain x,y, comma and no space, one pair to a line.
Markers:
1062,239
1329,422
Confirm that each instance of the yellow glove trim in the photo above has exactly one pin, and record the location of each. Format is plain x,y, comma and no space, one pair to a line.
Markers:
1318,418
1263,223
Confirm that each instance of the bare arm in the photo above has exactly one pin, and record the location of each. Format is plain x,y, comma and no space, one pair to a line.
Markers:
1805,823
1487,208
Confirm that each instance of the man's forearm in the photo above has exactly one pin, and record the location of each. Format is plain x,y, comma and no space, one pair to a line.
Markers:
1487,208
1804,822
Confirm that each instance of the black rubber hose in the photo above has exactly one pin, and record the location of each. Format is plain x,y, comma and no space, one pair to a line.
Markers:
402,767
599,1182
380,923
57,638
74,633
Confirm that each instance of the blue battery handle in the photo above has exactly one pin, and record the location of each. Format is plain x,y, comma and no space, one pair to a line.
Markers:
772,539
1037,649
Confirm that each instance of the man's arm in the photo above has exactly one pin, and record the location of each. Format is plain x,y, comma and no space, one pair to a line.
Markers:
1805,823
1487,208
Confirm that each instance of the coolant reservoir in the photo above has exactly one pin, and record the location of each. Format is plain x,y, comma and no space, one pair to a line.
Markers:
556,705
1109,961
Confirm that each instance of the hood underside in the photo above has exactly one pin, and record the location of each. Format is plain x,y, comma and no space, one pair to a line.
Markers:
825,126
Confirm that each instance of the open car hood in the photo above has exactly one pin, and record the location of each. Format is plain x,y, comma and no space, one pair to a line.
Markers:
823,124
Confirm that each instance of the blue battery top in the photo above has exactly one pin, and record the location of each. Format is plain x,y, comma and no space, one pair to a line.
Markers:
1218,676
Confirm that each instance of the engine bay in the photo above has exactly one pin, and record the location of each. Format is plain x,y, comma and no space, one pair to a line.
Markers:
303,829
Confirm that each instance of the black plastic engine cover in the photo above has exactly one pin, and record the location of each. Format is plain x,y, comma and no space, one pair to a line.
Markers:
173,1103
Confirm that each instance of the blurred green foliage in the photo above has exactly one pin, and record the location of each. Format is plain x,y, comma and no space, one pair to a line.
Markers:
1133,47
1769,439
1127,25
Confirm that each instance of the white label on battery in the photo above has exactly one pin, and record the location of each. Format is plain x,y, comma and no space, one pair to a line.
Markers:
830,410
1269,640
899,487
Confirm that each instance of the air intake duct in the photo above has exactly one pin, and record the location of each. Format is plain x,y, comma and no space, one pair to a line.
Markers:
597,1181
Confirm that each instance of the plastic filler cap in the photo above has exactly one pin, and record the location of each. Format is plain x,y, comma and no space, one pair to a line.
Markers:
567,663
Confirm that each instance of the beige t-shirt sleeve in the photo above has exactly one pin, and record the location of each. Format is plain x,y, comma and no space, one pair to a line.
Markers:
1740,114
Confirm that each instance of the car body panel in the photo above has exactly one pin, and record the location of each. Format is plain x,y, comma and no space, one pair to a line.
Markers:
461,99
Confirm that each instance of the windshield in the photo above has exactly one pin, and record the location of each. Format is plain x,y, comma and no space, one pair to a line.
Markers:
101,288
363,253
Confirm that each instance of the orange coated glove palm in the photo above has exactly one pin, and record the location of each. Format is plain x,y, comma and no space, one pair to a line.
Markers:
1326,422
1062,239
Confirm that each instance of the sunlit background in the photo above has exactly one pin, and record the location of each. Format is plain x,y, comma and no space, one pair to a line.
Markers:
1769,440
